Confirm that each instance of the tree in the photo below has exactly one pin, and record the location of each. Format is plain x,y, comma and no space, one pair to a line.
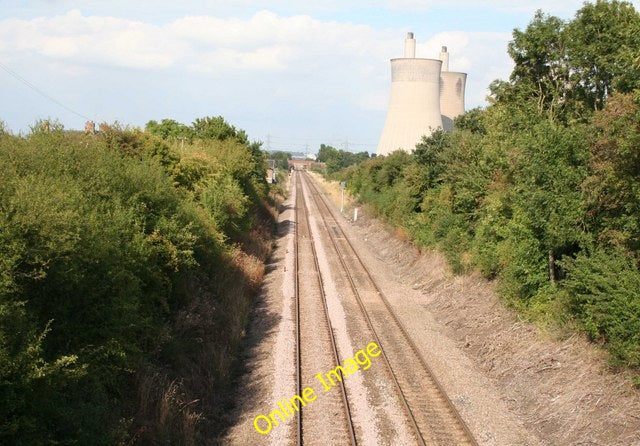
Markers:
217,128
604,53
428,153
569,69
612,189
170,129
548,168
472,120
541,71
326,153
281,158
339,159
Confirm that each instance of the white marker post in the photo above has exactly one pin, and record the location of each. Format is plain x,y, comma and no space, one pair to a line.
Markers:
343,186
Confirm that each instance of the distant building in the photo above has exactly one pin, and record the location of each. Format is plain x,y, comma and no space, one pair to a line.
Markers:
425,96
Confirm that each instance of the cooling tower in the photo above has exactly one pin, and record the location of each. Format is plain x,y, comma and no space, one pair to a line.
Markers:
414,105
451,92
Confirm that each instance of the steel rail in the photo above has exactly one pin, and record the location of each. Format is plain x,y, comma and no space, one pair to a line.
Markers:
336,356
395,318
296,265
396,384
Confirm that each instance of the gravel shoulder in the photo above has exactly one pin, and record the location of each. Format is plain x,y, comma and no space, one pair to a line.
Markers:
269,358
475,395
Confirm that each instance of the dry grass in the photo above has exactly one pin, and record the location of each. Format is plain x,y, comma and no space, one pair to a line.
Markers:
166,415
185,404
332,190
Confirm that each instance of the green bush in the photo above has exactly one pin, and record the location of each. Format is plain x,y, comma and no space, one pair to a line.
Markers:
96,243
605,295
225,201
523,264
109,243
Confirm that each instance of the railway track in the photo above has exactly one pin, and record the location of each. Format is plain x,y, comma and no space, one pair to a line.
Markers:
306,307
430,412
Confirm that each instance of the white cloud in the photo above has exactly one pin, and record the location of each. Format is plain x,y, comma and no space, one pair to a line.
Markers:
68,70
226,61
92,40
265,41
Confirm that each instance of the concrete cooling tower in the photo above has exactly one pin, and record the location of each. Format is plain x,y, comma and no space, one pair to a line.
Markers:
421,99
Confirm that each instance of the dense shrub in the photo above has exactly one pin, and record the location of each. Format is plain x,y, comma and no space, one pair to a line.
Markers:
605,294
110,244
336,159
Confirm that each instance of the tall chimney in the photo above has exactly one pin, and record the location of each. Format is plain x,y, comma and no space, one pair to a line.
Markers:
90,127
409,47
444,57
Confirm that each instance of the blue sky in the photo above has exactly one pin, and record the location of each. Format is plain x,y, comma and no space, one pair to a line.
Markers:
291,73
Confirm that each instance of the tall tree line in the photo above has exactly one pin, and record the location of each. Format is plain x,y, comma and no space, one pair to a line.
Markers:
541,189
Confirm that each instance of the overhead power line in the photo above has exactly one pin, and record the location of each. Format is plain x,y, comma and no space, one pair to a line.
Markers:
320,139
303,143
42,93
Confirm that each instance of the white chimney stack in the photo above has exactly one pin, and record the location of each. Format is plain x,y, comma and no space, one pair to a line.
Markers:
409,46
444,57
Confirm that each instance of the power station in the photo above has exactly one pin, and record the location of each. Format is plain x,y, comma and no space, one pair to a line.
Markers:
425,96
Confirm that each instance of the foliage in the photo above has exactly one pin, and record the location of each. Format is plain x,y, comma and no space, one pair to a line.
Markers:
170,129
606,52
605,290
339,159
612,189
428,154
46,126
118,254
207,128
569,69
541,70
281,159
472,120
218,129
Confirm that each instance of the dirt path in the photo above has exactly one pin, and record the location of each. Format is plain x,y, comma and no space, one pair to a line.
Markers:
510,386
